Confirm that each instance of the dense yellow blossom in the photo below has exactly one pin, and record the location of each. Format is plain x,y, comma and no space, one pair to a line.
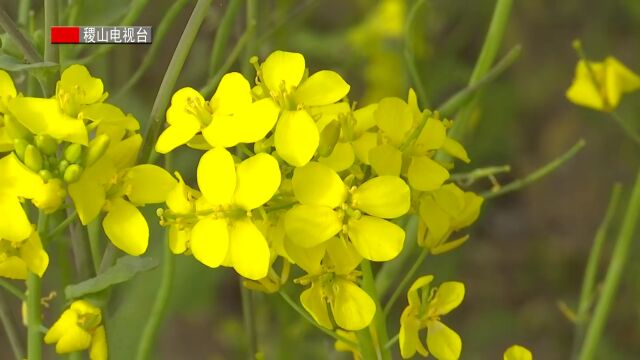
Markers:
78,328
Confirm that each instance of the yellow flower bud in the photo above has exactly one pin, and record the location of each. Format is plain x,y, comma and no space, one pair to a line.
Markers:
46,175
51,195
73,153
72,173
46,144
97,148
62,166
20,145
329,138
32,158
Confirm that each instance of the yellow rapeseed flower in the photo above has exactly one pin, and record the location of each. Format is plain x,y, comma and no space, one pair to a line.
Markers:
517,352
79,328
19,257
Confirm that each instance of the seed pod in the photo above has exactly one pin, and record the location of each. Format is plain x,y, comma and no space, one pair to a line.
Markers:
329,138
73,152
97,148
72,173
46,144
33,158
20,145
45,174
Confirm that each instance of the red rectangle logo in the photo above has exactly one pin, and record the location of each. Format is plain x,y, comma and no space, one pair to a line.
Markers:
65,34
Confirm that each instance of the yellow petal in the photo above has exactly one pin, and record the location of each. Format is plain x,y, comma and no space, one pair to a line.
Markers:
34,255
618,80
126,227
383,196
178,197
342,255
412,295
148,184
175,135
232,95
75,339
310,225
308,259
318,184
98,349
425,174
256,120
365,119
104,113
352,307
341,158
13,267
376,239
517,352
386,160
447,298
393,117
455,149
67,320
15,225
409,339
217,176
248,250
283,68
432,137
296,137
7,90
88,193
178,239
436,220
210,241
583,90
322,88
77,80
182,106
258,178
312,300
443,343
363,145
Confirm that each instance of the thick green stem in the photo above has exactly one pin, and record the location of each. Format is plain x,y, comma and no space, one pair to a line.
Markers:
171,76
488,53
587,294
365,343
621,253
223,34
538,174
34,309
379,320
405,281
248,316
10,330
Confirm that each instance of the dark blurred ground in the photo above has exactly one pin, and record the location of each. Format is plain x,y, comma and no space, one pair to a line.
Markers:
529,249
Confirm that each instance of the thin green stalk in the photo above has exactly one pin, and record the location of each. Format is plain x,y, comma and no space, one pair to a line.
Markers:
134,12
81,252
621,253
159,306
158,40
490,48
34,310
365,344
392,341
536,175
391,271
379,320
222,35
63,225
480,173
51,52
306,316
93,232
23,12
28,50
296,14
628,130
459,99
251,45
587,293
13,289
207,90
171,76
10,330
248,316
409,56
405,281
108,257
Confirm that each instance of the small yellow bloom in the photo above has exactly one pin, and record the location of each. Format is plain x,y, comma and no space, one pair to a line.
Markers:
600,85
79,328
18,257
442,342
517,352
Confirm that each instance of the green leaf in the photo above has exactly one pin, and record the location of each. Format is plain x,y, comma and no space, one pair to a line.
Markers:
124,269
9,63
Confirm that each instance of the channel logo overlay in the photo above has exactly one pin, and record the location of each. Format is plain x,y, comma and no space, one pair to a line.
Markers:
101,34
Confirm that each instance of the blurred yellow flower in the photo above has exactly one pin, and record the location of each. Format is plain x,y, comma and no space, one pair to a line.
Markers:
600,85
19,257
79,328
517,352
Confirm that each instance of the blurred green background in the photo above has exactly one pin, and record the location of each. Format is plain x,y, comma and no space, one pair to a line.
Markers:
527,252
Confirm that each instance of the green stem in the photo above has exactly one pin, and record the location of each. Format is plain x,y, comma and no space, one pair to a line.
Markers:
248,316
159,306
63,225
490,48
305,316
409,56
23,12
589,281
251,45
93,232
621,253
628,130
158,42
538,174
391,271
13,289
405,281
108,257
171,76
471,177
223,34
10,330
50,50
379,321
392,341
34,310
207,90
365,344
461,98
28,50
